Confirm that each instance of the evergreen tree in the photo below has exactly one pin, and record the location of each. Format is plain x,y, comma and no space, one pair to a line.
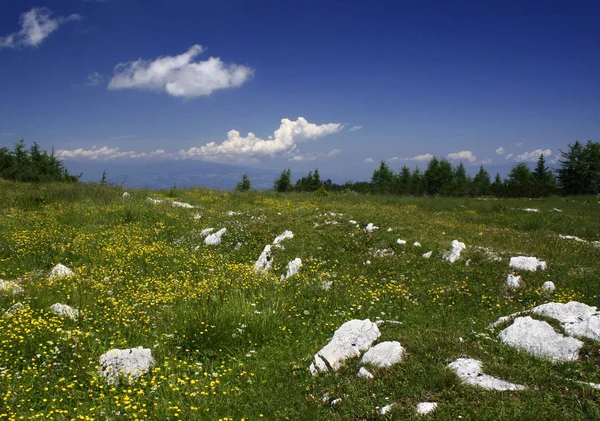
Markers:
544,183
461,181
284,182
579,171
383,178
497,186
481,185
417,183
244,184
403,181
520,181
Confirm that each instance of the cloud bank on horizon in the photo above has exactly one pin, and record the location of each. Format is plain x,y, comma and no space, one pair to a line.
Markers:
236,148
180,76
37,24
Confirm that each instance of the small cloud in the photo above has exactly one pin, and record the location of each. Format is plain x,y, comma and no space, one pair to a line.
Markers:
94,79
500,151
466,155
36,25
355,128
533,156
369,160
180,76
424,157
509,156
393,158
333,153
486,161
7,134
519,145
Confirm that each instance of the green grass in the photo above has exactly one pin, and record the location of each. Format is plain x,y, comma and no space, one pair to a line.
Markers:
232,344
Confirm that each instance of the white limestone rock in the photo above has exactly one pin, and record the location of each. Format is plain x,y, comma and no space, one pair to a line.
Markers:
513,281
60,271
589,328
384,354
215,239
531,210
182,205
571,237
385,409
425,408
206,231
283,236
10,288
293,267
416,244
64,310
526,263
548,287
131,363
454,254
556,210
126,195
348,341
265,260
505,319
370,227
428,254
155,201
470,372
363,373
401,242
540,339
571,312
14,309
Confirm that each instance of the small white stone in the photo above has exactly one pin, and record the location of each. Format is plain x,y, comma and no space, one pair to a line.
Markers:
384,410
416,244
126,195
131,363
283,236
292,268
364,373
370,227
454,254
64,310
513,281
548,287
425,408
401,242
215,239
384,354
428,254
60,271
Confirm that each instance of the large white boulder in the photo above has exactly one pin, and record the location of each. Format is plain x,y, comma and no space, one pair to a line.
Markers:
470,372
384,354
131,363
540,339
60,271
348,341
526,263
265,260
293,267
64,310
283,236
576,318
454,254
215,239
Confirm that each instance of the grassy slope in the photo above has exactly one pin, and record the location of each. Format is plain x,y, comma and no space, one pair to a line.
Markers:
230,343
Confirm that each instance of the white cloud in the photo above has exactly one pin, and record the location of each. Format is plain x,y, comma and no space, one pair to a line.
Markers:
533,156
369,160
500,151
106,153
486,161
94,79
508,156
333,153
466,155
36,25
519,145
424,157
355,128
235,149
180,76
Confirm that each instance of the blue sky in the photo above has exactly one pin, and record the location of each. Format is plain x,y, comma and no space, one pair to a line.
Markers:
337,85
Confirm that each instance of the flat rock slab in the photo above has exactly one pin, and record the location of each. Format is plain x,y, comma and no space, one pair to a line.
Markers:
576,318
348,341
540,339
131,363
527,263
384,354
470,372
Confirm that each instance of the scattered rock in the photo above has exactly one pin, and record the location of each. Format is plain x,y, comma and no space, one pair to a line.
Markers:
155,201
401,242
571,237
336,401
206,231
215,239
428,254
389,230
548,287
197,216
416,244
14,309
531,210
576,318
370,227
182,205
383,253
513,281
505,319
540,339
64,310
126,195
284,236
9,287
425,408
364,373
265,260
526,263
60,271
131,363
470,372
454,254
326,285
556,210
292,268
384,410
348,341
384,354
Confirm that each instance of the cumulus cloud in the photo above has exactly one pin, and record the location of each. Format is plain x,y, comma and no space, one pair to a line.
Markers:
36,25
355,128
105,153
533,156
236,148
424,157
466,155
94,79
509,156
500,151
369,160
180,76
333,153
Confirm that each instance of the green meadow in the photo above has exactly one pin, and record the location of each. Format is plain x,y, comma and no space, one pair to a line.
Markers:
233,344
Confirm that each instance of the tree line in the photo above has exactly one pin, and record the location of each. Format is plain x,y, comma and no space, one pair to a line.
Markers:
33,164
578,173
